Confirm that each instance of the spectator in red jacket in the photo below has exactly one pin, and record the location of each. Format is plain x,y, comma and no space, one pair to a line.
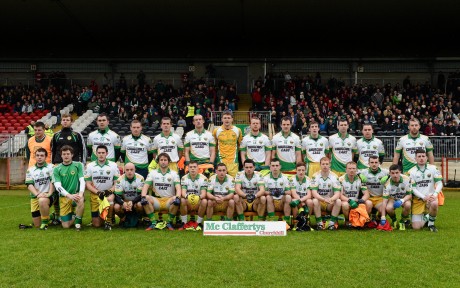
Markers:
430,130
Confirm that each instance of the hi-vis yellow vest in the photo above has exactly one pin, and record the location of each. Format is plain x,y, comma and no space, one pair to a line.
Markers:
191,111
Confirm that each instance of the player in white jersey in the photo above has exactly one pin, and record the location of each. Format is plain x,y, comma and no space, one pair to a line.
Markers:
100,178
314,147
278,193
302,203
42,196
408,144
200,145
325,188
169,143
128,190
343,148
194,184
286,147
427,184
354,191
165,184
249,185
372,177
369,146
256,146
397,192
137,149
221,194
104,136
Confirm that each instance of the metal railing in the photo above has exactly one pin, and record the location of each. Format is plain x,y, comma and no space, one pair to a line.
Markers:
244,118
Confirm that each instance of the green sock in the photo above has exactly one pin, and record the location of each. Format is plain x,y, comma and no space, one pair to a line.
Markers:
319,219
261,218
287,218
208,219
228,219
171,218
151,217
393,218
404,218
78,219
334,219
45,221
241,217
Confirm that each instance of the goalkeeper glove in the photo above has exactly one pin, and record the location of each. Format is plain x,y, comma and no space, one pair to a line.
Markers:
100,194
361,201
397,203
107,193
250,198
176,201
144,201
352,203
294,203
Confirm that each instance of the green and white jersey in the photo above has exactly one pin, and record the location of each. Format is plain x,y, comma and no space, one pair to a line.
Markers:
103,176
39,177
223,188
69,176
279,185
342,151
249,185
399,189
372,180
301,187
424,179
170,144
367,148
199,144
129,189
106,137
194,186
286,148
163,185
315,149
325,186
137,150
256,146
352,188
408,145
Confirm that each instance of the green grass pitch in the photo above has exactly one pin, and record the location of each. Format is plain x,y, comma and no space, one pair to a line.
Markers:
136,258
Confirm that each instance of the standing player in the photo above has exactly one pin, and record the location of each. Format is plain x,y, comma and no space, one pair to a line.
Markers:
249,185
169,143
278,192
286,147
221,194
70,138
69,182
100,177
200,145
256,146
343,148
314,147
397,192
325,187
38,140
104,136
228,138
354,191
128,190
371,177
137,149
408,144
427,184
195,184
369,146
38,181
166,189
302,205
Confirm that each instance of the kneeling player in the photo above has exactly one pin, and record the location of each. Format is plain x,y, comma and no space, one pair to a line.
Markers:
326,190
128,190
302,204
427,183
38,181
195,184
221,194
397,193
352,188
249,186
166,188
278,192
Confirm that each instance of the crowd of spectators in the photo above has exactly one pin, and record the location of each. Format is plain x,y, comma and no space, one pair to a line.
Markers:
388,108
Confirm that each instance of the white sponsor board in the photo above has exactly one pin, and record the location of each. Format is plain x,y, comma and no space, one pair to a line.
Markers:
244,228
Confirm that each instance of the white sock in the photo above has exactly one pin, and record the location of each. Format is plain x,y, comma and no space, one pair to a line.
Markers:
199,220
183,218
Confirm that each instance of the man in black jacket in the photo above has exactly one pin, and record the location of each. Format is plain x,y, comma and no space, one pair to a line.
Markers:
68,137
